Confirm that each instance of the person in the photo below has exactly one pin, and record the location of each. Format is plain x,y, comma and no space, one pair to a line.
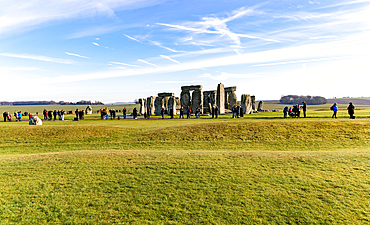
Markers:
162,113
77,113
124,112
59,115
213,112
216,111
148,112
298,111
238,111
241,111
45,113
5,115
50,115
134,113
285,111
16,115
233,109
9,117
304,108
291,114
334,107
181,112
19,116
197,113
55,115
188,111
62,112
106,114
171,113
351,110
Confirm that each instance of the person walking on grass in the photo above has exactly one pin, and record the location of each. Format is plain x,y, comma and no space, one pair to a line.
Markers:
124,112
181,113
334,107
188,111
304,108
134,113
216,111
162,112
285,111
19,116
5,115
351,110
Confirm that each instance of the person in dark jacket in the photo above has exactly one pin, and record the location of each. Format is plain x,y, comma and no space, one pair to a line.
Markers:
134,113
55,115
162,113
77,113
181,112
171,113
124,112
5,115
304,108
213,112
216,112
351,110
188,111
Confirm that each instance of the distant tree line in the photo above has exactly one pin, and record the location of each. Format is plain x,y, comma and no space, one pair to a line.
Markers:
310,100
82,102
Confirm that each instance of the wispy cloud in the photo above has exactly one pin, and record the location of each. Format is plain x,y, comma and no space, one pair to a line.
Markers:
169,58
161,46
215,25
26,15
38,57
96,44
124,64
146,62
175,81
134,39
77,55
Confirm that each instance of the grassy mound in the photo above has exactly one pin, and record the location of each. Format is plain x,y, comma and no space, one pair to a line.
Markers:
186,172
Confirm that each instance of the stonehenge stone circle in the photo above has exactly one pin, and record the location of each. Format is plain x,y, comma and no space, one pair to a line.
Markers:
158,104
260,106
194,101
150,104
209,100
253,102
142,102
230,97
221,98
246,103
172,105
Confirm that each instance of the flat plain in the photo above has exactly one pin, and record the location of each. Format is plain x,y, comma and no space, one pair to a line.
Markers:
253,170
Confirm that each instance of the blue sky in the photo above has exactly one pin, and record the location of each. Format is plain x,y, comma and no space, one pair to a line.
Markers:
121,50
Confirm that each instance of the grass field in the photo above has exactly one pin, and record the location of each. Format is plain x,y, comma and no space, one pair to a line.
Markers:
262,169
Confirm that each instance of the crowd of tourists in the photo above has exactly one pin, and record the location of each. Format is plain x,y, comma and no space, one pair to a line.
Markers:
295,111
105,113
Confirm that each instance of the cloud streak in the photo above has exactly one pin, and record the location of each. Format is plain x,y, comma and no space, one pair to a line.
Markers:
169,58
146,62
38,57
77,55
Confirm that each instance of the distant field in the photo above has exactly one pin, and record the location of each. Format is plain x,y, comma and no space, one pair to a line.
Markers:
262,169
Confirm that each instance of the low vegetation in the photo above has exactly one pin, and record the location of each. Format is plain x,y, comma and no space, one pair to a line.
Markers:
261,169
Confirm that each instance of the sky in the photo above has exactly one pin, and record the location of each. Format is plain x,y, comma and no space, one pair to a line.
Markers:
121,50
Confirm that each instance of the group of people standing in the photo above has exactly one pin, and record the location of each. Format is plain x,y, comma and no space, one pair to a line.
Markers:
295,111
350,109
8,117
48,115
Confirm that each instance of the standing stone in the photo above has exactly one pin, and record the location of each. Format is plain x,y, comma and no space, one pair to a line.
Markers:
185,99
35,120
209,100
88,110
260,106
150,104
178,102
172,105
220,98
230,97
253,102
165,96
197,101
142,102
158,104
246,102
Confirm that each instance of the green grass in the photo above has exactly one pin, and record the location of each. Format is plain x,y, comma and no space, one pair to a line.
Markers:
262,169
